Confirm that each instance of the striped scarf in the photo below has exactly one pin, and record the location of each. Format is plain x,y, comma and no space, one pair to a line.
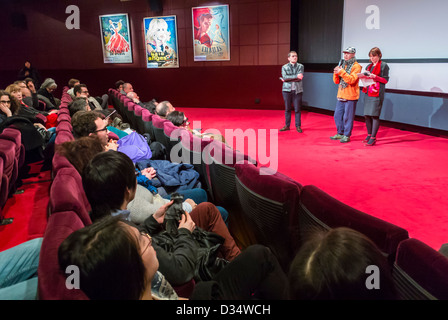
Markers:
347,65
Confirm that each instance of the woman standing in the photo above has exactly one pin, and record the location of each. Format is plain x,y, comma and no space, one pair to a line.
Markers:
378,70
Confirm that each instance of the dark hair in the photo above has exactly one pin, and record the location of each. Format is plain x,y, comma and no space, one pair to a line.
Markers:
333,265
83,123
109,260
375,52
118,84
105,179
176,117
80,151
78,104
15,106
71,82
77,88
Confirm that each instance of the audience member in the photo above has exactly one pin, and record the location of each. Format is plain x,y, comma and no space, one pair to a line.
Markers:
71,85
164,108
110,184
78,104
18,271
86,123
179,119
334,265
45,93
30,85
112,249
127,87
48,119
345,75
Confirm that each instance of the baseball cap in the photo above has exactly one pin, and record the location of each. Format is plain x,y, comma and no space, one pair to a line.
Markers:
350,50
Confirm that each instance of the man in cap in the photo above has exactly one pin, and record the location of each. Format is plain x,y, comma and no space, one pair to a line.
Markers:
346,76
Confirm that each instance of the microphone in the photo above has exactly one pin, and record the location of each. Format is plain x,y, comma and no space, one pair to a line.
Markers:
340,62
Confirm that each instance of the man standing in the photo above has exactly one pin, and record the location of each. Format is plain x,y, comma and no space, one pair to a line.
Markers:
292,90
346,76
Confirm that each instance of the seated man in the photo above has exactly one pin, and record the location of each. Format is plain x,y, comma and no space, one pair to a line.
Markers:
87,123
110,184
78,104
71,84
164,108
81,90
127,87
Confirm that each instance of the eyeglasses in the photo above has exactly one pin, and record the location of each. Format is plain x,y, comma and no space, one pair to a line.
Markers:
99,130
5,101
149,240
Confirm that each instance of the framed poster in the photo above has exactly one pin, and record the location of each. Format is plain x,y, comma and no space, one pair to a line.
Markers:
161,42
211,33
116,38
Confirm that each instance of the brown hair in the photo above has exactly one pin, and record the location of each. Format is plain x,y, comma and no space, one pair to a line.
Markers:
80,151
375,52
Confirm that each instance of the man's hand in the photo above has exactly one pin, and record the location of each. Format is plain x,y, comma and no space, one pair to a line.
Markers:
149,173
186,222
112,145
159,215
300,76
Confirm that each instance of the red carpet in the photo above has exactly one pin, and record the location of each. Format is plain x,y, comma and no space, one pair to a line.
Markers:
29,209
403,179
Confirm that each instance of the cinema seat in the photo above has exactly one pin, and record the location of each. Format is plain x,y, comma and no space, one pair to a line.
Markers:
51,280
320,211
221,161
420,272
67,193
270,201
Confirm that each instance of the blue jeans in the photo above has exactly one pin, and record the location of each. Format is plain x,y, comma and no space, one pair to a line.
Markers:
199,195
18,271
344,115
291,98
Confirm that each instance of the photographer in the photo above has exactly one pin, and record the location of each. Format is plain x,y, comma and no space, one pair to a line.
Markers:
110,184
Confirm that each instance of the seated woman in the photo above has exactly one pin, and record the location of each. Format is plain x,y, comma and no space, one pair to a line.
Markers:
48,119
113,249
110,184
35,137
334,266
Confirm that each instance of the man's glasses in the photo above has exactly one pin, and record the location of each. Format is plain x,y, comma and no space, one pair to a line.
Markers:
149,240
5,101
99,130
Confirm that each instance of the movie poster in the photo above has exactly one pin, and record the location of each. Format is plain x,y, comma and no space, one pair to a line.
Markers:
161,42
211,33
116,38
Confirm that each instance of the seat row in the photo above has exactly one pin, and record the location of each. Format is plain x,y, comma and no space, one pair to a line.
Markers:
12,158
281,213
